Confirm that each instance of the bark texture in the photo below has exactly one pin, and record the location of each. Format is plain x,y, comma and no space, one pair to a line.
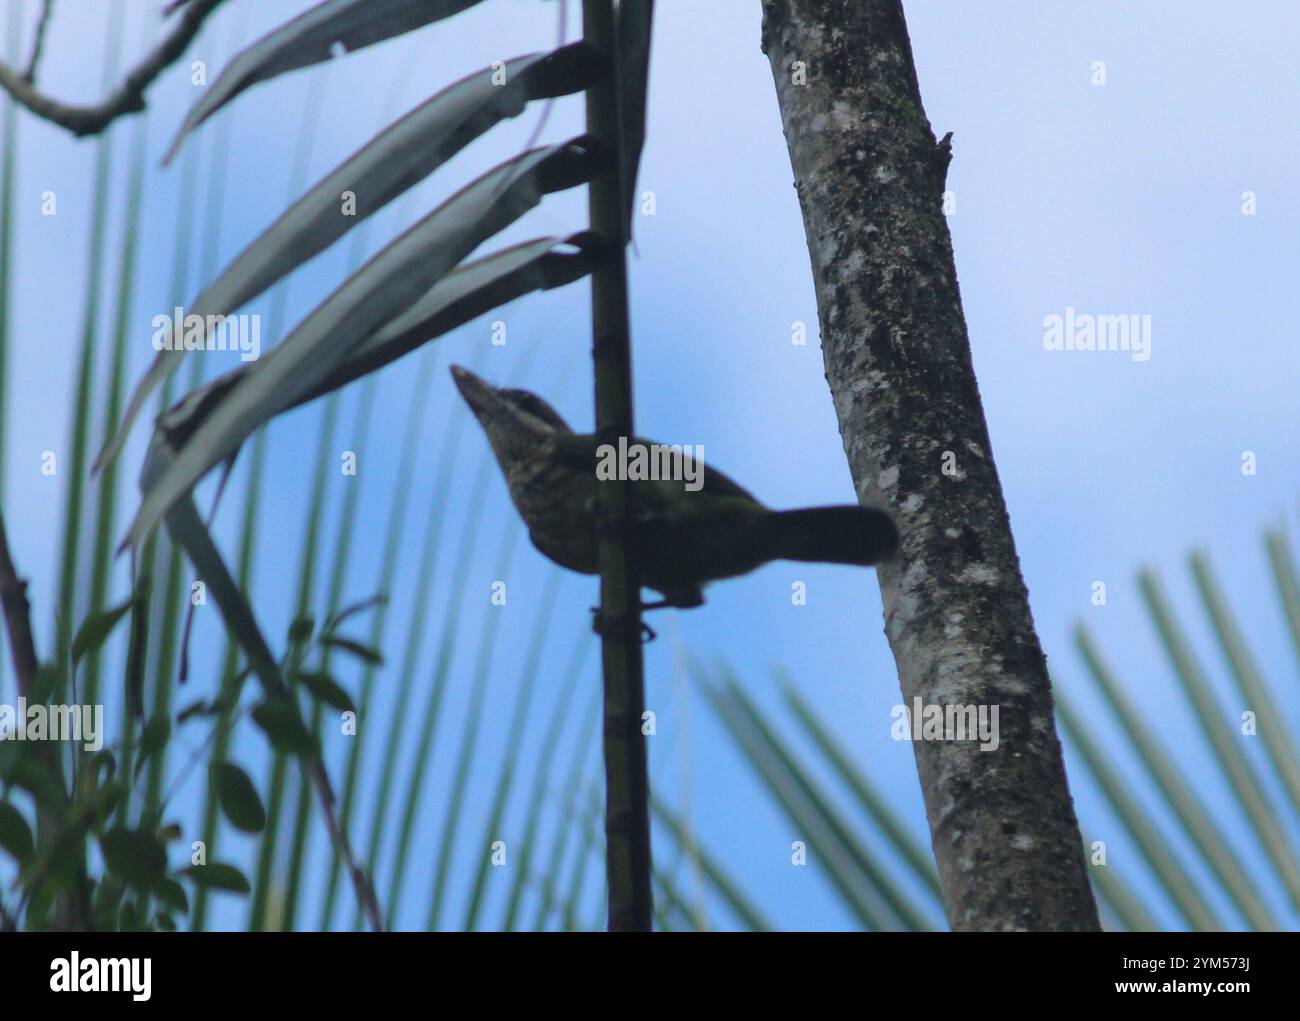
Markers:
870,178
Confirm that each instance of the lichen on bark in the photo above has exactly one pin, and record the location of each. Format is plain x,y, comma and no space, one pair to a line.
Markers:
870,176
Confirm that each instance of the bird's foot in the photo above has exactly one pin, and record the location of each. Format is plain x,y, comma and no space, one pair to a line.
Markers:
617,625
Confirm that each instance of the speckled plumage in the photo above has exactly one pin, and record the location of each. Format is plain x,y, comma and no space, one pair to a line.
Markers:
682,538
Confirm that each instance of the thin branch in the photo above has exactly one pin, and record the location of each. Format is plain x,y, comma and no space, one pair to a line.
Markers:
313,765
38,42
199,753
627,786
129,98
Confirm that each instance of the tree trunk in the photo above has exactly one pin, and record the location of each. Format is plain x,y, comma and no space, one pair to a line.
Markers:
870,178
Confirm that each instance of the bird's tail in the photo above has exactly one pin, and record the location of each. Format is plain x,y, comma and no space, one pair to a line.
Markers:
836,535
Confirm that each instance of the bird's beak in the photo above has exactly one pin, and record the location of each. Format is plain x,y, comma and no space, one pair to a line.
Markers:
479,394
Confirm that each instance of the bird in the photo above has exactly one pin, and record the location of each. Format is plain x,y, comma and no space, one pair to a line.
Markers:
682,536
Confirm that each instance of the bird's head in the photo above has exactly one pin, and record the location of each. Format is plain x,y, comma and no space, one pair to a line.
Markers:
515,421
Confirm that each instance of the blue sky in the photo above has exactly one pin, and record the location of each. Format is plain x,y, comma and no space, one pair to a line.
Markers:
1113,199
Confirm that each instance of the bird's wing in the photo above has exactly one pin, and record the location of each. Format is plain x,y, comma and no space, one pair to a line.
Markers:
579,451
718,484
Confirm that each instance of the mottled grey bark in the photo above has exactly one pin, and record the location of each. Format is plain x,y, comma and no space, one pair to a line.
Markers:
870,178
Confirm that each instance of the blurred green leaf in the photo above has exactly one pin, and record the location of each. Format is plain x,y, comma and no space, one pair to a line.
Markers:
154,738
97,627
15,834
203,708
326,689
301,629
135,856
103,765
218,876
375,602
352,646
238,797
26,771
279,718
129,918
48,680
173,895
